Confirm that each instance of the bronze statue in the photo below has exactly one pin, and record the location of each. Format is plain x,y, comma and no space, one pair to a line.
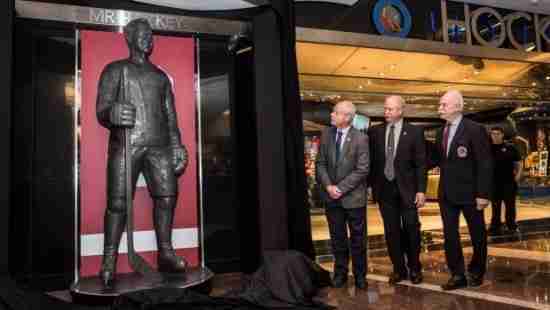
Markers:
135,102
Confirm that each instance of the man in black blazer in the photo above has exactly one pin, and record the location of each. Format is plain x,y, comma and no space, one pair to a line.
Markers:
398,176
342,167
464,157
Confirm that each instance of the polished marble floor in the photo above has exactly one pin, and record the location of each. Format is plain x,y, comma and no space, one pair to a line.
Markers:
518,265
380,296
517,281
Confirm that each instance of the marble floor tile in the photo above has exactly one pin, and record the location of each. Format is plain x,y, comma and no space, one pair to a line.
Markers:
381,296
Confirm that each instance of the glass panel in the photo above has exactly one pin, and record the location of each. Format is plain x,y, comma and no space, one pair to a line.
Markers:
220,214
43,153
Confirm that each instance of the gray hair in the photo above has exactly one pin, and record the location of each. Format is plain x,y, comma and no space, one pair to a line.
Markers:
349,107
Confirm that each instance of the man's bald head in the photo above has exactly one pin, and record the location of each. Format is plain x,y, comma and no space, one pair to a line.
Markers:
393,108
451,105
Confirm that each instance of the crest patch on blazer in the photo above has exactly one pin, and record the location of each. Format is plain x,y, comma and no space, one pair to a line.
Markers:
462,151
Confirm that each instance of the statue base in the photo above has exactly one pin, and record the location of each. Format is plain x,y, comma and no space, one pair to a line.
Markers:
90,290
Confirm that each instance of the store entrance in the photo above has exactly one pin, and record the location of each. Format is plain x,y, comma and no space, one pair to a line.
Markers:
509,94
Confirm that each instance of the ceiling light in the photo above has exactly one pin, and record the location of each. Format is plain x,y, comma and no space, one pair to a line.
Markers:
534,84
548,77
476,72
381,73
360,86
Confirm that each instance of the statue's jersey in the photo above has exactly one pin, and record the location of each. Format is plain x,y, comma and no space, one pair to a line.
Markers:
147,88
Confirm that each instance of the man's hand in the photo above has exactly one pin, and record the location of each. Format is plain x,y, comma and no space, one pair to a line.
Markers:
123,114
481,203
420,200
333,192
179,159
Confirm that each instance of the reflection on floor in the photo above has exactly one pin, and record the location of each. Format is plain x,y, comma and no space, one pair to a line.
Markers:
518,265
516,281
381,296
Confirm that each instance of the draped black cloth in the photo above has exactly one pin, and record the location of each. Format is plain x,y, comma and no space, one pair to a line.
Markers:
285,280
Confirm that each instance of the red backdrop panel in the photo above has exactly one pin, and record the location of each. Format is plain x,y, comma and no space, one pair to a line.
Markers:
176,56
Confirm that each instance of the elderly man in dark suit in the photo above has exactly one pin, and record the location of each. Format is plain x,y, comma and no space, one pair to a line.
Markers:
342,167
464,157
398,176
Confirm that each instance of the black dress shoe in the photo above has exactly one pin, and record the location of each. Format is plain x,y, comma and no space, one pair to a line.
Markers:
360,283
475,280
339,281
396,278
416,277
455,282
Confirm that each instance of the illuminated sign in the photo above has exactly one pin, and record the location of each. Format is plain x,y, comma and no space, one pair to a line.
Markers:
392,18
490,27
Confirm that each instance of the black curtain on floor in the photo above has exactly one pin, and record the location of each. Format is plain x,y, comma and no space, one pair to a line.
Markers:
5,130
283,211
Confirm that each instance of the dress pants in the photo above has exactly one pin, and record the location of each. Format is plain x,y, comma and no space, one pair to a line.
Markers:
507,194
450,214
401,229
355,219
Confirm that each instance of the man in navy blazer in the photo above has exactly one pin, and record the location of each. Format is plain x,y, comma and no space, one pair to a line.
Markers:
464,157
398,179
342,167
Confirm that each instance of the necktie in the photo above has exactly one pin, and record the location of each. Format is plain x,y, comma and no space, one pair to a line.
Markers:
338,142
446,138
388,167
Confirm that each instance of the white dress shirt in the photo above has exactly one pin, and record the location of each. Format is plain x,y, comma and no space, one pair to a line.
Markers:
453,126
